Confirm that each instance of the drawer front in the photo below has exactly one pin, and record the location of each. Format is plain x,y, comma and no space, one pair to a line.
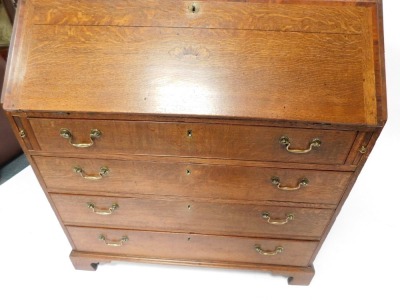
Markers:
196,140
191,180
191,246
192,216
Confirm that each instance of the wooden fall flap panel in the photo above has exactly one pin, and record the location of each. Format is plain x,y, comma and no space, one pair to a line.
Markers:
167,67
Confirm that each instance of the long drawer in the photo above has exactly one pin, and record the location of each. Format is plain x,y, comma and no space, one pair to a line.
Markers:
97,176
192,246
194,140
192,216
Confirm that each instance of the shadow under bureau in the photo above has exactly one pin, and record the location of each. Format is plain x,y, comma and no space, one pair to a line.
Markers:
211,133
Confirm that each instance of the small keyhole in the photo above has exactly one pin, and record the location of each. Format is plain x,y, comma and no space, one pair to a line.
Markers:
193,8
189,207
188,172
189,133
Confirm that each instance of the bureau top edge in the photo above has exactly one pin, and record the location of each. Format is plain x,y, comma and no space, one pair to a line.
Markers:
317,15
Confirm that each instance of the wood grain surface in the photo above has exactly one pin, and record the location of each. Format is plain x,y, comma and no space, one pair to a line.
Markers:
192,180
195,72
194,140
202,14
192,246
192,216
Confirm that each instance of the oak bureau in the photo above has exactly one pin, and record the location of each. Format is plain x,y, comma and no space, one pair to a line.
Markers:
211,133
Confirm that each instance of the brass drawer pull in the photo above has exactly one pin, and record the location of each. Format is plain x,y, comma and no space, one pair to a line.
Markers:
119,243
302,183
94,134
102,212
104,171
277,250
289,217
315,143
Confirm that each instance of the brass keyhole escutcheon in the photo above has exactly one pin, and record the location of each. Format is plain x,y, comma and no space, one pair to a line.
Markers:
189,133
193,8
188,172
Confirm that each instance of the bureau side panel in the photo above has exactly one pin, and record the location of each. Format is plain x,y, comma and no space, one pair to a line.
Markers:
349,187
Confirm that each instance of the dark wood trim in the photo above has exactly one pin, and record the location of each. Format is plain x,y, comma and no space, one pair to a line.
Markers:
379,57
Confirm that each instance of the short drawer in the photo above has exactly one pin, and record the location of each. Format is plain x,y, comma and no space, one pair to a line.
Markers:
102,177
240,142
179,246
192,216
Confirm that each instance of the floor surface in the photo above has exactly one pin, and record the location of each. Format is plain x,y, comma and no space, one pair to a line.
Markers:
12,168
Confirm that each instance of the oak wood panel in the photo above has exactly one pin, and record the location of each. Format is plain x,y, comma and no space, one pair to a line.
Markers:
205,14
205,140
192,246
195,72
192,180
192,216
